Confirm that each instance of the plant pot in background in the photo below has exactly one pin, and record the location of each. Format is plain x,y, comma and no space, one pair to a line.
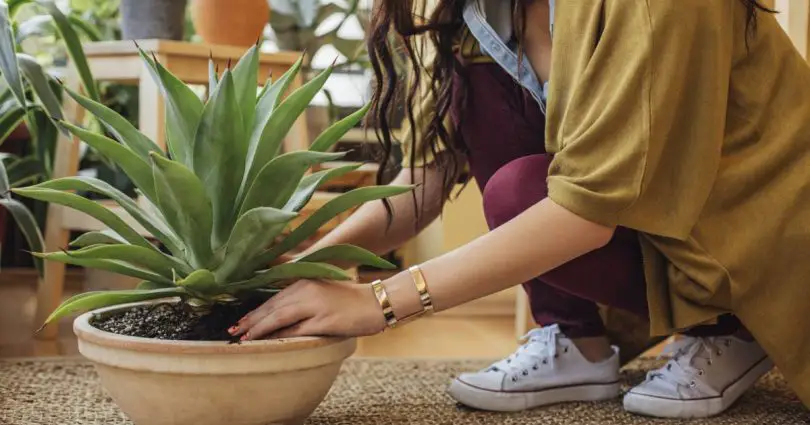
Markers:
159,382
230,22
161,19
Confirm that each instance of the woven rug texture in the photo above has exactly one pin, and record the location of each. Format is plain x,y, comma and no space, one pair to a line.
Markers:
67,392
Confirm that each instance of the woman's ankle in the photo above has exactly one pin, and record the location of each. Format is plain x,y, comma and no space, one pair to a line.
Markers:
594,349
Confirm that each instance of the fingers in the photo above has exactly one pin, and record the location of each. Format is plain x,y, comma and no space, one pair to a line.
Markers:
303,328
252,318
277,320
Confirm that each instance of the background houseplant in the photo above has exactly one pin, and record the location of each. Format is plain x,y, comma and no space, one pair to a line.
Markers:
30,99
219,204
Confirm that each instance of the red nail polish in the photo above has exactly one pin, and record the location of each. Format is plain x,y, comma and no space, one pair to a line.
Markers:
244,337
232,330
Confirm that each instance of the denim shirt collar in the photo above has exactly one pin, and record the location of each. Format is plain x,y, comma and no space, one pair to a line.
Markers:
493,45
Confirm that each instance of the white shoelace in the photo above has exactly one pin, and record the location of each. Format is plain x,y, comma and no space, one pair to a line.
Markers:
681,369
540,348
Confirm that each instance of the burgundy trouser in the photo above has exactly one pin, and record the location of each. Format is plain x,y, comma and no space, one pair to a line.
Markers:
503,128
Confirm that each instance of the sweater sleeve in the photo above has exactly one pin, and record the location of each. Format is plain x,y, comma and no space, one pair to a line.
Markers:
637,109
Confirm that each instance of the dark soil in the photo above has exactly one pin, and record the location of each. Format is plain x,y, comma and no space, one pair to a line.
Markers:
177,321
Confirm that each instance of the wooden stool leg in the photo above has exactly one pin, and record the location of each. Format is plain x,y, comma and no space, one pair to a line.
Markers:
152,119
66,163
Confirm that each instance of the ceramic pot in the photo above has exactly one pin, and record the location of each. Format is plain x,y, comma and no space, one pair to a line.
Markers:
153,19
157,382
230,22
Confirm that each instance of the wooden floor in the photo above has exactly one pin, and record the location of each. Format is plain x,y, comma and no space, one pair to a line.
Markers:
441,336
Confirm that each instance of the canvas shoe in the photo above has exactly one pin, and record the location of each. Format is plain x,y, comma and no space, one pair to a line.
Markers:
704,378
547,369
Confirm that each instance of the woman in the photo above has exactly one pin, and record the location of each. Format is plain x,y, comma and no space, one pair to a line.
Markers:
673,181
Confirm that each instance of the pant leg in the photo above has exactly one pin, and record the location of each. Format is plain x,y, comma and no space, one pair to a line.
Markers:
568,295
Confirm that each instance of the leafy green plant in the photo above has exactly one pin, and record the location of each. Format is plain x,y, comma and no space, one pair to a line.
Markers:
297,24
31,97
219,202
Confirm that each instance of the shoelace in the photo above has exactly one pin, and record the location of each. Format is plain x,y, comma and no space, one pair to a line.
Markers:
540,348
680,369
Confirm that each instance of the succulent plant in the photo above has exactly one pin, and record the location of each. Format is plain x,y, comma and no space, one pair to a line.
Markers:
220,200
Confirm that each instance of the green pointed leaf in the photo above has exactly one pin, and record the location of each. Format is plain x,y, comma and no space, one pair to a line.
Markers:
149,259
135,168
9,121
254,231
24,170
74,48
41,25
213,78
348,253
268,100
186,207
282,174
155,225
310,183
9,69
5,185
275,94
336,131
104,237
183,111
120,127
331,209
245,75
115,266
93,209
219,155
88,29
94,300
202,283
287,272
280,123
39,82
27,224
265,87
147,285
14,6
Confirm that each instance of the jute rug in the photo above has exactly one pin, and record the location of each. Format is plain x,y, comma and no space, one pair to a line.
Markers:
67,392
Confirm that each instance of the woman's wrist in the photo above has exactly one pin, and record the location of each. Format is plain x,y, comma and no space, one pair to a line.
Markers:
402,295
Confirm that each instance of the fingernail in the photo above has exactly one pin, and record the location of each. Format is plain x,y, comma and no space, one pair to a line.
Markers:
233,329
244,337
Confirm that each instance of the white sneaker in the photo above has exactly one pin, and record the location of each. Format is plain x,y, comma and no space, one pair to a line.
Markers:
704,378
547,369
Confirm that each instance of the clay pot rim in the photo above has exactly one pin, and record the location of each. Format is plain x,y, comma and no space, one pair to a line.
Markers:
87,332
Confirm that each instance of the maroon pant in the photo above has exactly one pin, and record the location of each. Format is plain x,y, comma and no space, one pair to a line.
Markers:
503,128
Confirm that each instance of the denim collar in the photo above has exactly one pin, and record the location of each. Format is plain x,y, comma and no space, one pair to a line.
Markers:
493,45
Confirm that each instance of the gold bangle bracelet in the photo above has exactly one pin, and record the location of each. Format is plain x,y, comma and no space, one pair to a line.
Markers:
421,286
385,303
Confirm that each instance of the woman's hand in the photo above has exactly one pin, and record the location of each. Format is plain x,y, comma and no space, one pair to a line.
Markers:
312,308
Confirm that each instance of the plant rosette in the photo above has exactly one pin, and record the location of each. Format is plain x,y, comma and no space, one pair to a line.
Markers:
219,204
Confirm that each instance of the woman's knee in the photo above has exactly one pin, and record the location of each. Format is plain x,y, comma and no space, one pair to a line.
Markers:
515,187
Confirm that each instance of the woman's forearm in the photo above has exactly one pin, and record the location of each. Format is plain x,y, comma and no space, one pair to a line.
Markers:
540,239
368,226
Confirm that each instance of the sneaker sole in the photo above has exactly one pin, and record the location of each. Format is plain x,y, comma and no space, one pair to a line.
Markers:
500,401
660,407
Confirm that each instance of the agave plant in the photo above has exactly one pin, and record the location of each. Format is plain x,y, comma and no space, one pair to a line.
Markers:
218,202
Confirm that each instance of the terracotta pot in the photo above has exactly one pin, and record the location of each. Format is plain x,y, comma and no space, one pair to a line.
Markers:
158,382
230,22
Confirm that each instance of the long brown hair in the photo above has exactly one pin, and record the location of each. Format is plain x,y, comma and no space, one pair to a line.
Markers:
398,27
